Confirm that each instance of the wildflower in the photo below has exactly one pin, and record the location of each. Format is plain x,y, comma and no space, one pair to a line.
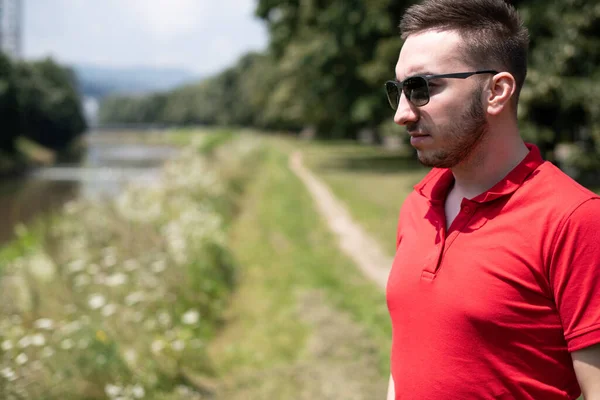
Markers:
117,279
67,344
191,317
21,359
47,352
38,340
178,345
109,310
44,323
42,267
138,391
164,318
76,266
159,266
96,301
101,336
157,346
24,342
130,356
8,374
7,345
112,390
134,298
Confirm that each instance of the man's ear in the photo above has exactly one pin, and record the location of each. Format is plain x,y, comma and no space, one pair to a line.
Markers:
502,87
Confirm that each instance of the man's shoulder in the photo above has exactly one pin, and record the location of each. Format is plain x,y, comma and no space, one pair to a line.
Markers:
559,187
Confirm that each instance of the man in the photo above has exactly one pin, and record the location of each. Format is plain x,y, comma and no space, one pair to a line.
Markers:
494,291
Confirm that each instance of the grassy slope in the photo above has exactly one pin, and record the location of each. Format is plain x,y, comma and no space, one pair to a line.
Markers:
304,323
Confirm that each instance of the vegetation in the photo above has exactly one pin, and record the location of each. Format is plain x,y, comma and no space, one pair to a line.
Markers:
39,102
118,299
327,61
304,323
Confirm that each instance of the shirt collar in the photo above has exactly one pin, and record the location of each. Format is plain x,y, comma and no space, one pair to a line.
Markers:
435,185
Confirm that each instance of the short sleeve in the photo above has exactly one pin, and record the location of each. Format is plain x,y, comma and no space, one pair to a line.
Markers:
575,275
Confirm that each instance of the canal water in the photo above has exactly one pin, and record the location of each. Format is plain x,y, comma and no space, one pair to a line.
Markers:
111,160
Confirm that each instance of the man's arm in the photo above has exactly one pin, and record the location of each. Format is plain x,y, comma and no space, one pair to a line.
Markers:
586,363
391,393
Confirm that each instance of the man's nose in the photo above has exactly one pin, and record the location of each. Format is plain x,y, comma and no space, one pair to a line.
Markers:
406,112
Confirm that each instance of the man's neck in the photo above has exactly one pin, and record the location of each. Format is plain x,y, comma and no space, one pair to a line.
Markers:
490,162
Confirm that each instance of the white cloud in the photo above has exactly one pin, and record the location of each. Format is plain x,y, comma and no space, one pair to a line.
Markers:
167,18
200,35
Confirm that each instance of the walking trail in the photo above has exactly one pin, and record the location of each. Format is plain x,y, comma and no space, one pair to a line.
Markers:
353,240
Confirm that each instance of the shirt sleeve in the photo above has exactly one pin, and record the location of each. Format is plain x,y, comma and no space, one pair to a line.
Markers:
575,275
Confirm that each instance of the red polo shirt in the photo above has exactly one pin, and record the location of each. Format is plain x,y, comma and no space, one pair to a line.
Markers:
491,307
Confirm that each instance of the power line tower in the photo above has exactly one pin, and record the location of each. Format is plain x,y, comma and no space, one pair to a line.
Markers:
11,21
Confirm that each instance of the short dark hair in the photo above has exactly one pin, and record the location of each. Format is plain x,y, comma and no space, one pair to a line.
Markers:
492,31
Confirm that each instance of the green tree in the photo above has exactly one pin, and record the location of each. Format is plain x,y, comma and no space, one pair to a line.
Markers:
9,107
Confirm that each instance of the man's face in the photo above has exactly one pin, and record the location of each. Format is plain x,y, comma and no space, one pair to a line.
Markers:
447,129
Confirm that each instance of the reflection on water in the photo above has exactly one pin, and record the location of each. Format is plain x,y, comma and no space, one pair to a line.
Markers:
109,163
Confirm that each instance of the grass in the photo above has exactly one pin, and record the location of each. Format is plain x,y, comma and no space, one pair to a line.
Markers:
303,320
371,181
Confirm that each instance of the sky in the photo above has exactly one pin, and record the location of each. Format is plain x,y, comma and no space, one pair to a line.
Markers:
201,36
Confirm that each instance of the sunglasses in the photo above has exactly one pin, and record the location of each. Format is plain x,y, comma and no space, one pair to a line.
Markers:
416,88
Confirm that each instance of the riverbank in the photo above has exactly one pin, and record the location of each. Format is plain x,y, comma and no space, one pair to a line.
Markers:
119,298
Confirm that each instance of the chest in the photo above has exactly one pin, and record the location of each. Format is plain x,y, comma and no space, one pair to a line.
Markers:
485,270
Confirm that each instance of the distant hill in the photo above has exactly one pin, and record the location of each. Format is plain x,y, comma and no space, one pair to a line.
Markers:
98,82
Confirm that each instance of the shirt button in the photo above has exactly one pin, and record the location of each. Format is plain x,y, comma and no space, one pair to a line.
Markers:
467,209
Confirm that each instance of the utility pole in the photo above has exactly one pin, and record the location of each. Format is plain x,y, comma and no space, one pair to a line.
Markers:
11,23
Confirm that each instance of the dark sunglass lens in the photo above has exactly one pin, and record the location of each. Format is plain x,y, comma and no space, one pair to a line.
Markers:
393,94
417,91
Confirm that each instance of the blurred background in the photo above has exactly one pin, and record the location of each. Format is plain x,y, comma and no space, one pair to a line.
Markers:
154,242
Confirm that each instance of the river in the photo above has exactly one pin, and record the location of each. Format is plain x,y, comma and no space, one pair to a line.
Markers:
111,160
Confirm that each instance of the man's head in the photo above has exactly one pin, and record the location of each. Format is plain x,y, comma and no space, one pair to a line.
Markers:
450,37
492,32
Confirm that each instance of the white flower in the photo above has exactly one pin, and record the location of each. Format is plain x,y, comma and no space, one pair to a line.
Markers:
130,356
134,298
76,266
47,352
7,345
24,342
109,310
38,340
117,279
157,346
178,345
8,374
138,392
112,390
21,359
42,267
110,260
96,301
67,344
191,317
44,323
164,318
159,266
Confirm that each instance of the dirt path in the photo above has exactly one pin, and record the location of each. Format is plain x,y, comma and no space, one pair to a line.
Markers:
353,240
